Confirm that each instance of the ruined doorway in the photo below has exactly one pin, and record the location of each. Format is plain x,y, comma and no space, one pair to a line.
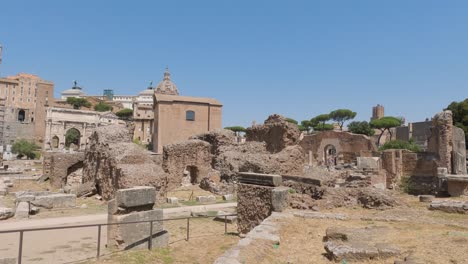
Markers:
72,136
75,174
55,142
193,174
330,155
21,115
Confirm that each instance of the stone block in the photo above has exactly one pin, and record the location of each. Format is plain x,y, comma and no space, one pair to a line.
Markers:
228,197
172,200
6,213
8,261
457,185
206,199
199,211
301,179
55,201
85,189
426,198
450,206
136,197
22,210
6,179
368,163
3,191
25,198
260,179
136,236
442,171
230,219
279,198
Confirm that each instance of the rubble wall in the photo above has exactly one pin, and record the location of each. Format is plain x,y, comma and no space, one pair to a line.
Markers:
57,165
113,162
348,145
254,204
182,160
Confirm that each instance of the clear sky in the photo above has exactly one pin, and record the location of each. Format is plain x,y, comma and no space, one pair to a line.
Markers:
296,58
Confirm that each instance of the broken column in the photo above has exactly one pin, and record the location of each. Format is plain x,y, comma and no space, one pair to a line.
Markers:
130,205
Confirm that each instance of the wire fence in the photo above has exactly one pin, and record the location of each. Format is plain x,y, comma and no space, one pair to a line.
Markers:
181,230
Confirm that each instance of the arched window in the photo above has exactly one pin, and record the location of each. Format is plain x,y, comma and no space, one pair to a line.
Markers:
21,115
190,115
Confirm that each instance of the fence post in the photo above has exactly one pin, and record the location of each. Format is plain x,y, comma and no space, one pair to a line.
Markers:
188,228
99,242
225,224
150,239
20,249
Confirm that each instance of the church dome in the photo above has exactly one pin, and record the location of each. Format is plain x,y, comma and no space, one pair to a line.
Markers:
166,86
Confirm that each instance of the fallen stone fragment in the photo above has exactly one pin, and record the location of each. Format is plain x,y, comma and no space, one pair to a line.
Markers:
22,210
426,198
318,215
172,200
228,197
55,201
6,213
206,199
450,206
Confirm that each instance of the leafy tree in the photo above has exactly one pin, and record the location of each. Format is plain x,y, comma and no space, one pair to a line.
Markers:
236,129
306,125
400,144
460,116
385,123
341,116
102,107
363,128
72,136
318,122
26,148
125,113
290,120
77,103
324,127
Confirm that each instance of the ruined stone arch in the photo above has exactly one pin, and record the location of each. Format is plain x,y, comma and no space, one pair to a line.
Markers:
55,142
72,136
330,154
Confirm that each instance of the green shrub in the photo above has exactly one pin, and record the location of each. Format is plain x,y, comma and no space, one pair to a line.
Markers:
125,113
24,148
102,107
400,144
407,185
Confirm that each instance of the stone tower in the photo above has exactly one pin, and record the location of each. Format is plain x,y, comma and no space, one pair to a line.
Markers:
378,111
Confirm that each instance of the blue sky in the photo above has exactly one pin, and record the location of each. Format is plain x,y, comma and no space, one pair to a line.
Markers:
296,58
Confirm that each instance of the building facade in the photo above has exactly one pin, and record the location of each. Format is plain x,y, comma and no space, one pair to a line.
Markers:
176,118
25,98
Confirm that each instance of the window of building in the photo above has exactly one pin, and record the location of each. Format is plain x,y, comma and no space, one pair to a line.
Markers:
21,115
190,115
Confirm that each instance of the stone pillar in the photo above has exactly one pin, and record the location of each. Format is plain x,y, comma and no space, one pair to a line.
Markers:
441,140
130,205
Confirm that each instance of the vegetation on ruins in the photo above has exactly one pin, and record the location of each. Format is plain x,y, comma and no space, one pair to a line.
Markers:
318,123
306,126
72,136
385,123
77,103
407,185
341,116
291,120
460,115
125,113
102,107
400,144
24,148
236,129
361,127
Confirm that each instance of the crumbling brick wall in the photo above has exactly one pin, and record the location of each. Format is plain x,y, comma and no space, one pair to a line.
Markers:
254,204
57,166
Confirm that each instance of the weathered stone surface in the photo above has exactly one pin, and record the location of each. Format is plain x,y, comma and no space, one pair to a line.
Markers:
22,210
113,162
25,198
368,163
3,191
457,185
276,132
426,198
85,189
6,213
254,204
199,211
206,199
8,261
318,215
449,206
55,201
58,165
302,179
279,198
136,196
136,236
172,200
228,197
458,151
230,219
260,179
440,141
357,244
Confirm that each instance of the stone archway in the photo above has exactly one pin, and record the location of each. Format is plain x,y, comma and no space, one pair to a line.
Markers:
72,138
193,174
55,142
330,155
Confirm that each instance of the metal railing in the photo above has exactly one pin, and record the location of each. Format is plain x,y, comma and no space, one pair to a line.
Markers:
99,227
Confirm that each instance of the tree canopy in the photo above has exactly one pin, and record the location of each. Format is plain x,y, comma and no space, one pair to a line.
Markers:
460,115
236,129
72,136
77,103
102,107
341,115
290,120
318,122
26,148
125,113
361,127
324,127
385,123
